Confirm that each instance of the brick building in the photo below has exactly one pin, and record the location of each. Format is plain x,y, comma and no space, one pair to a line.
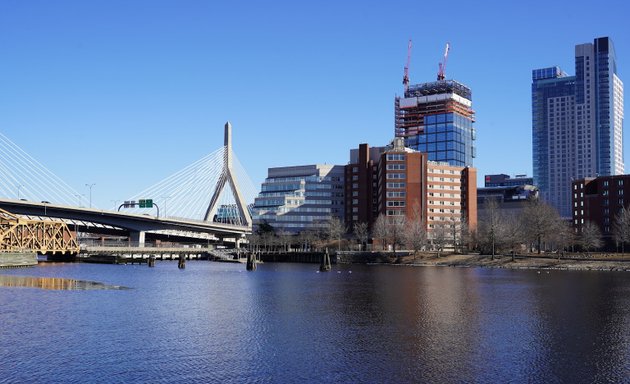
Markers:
399,181
598,200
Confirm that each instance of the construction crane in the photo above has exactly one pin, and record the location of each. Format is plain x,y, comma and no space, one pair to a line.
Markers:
442,65
406,72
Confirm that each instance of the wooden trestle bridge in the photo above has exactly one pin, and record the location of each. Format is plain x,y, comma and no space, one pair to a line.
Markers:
18,234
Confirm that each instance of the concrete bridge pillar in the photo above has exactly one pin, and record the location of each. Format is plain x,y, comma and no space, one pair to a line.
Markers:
137,238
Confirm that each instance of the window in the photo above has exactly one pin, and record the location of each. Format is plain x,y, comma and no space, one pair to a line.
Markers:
395,167
395,157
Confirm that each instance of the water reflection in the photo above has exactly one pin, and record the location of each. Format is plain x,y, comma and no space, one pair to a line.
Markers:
53,283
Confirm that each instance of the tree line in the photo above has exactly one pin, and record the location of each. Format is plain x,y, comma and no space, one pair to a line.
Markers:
535,228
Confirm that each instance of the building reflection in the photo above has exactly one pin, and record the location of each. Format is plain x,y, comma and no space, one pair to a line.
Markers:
52,283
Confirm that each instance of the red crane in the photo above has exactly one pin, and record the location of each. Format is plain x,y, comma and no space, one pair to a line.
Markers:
442,65
406,72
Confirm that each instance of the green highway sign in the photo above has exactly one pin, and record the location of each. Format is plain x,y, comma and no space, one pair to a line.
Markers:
145,203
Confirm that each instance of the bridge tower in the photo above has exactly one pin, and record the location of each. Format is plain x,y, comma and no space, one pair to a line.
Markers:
230,177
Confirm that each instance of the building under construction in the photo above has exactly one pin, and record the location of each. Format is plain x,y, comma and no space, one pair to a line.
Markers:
437,118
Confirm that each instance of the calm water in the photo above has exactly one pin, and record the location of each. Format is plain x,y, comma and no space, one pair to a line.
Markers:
284,323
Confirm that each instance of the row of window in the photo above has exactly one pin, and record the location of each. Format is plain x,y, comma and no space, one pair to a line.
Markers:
396,167
443,210
395,157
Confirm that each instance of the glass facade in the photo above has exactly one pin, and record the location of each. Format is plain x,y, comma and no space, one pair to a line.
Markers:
577,122
447,137
557,86
295,199
437,118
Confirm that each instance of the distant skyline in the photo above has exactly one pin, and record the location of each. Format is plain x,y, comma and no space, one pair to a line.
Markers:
123,94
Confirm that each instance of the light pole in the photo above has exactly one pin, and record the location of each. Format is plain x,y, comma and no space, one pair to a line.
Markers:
90,186
19,186
165,198
78,196
115,203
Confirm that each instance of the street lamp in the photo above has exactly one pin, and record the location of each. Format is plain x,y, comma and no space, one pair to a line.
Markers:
19,186
78,196
165,198
115,203
90,186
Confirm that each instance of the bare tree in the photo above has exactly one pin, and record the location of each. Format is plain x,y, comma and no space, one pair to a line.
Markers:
268,241
396,230
511,232
466,236
540,221
563,237
284,240
362,233
309,239
490,225
380,230
415,235
336,230
254,240
621,227
439,237
590,237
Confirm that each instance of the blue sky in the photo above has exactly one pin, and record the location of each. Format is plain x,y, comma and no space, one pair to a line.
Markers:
125,93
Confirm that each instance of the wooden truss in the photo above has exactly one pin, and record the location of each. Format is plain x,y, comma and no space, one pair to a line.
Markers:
44,236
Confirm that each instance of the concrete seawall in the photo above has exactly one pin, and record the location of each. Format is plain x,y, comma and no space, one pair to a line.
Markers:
352,257
18,259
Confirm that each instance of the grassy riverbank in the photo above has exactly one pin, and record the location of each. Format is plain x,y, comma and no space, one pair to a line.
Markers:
597,262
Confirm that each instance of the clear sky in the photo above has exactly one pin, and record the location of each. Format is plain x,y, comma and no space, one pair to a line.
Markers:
125,93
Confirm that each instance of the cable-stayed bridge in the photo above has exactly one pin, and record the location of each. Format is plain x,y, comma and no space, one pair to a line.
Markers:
207,200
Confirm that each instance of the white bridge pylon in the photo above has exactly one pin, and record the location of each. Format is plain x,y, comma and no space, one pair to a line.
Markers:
200,191
229,176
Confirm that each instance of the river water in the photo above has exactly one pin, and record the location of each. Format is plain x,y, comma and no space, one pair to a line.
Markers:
288,323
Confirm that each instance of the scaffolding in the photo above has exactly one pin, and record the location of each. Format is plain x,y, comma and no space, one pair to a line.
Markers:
409,119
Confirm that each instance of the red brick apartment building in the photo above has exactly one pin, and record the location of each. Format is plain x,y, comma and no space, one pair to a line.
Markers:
598,200
397,181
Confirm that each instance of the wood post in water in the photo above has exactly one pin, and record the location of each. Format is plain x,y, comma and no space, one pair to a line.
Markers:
251,261
182,262
325,264
151,261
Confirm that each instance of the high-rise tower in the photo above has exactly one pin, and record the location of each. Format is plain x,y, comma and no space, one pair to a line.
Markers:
577,122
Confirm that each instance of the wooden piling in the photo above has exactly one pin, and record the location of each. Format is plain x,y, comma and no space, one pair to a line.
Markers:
151,261
182,262
325,266
251,261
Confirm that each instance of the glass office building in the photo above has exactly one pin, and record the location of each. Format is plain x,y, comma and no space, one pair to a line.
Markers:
299,198
577,123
